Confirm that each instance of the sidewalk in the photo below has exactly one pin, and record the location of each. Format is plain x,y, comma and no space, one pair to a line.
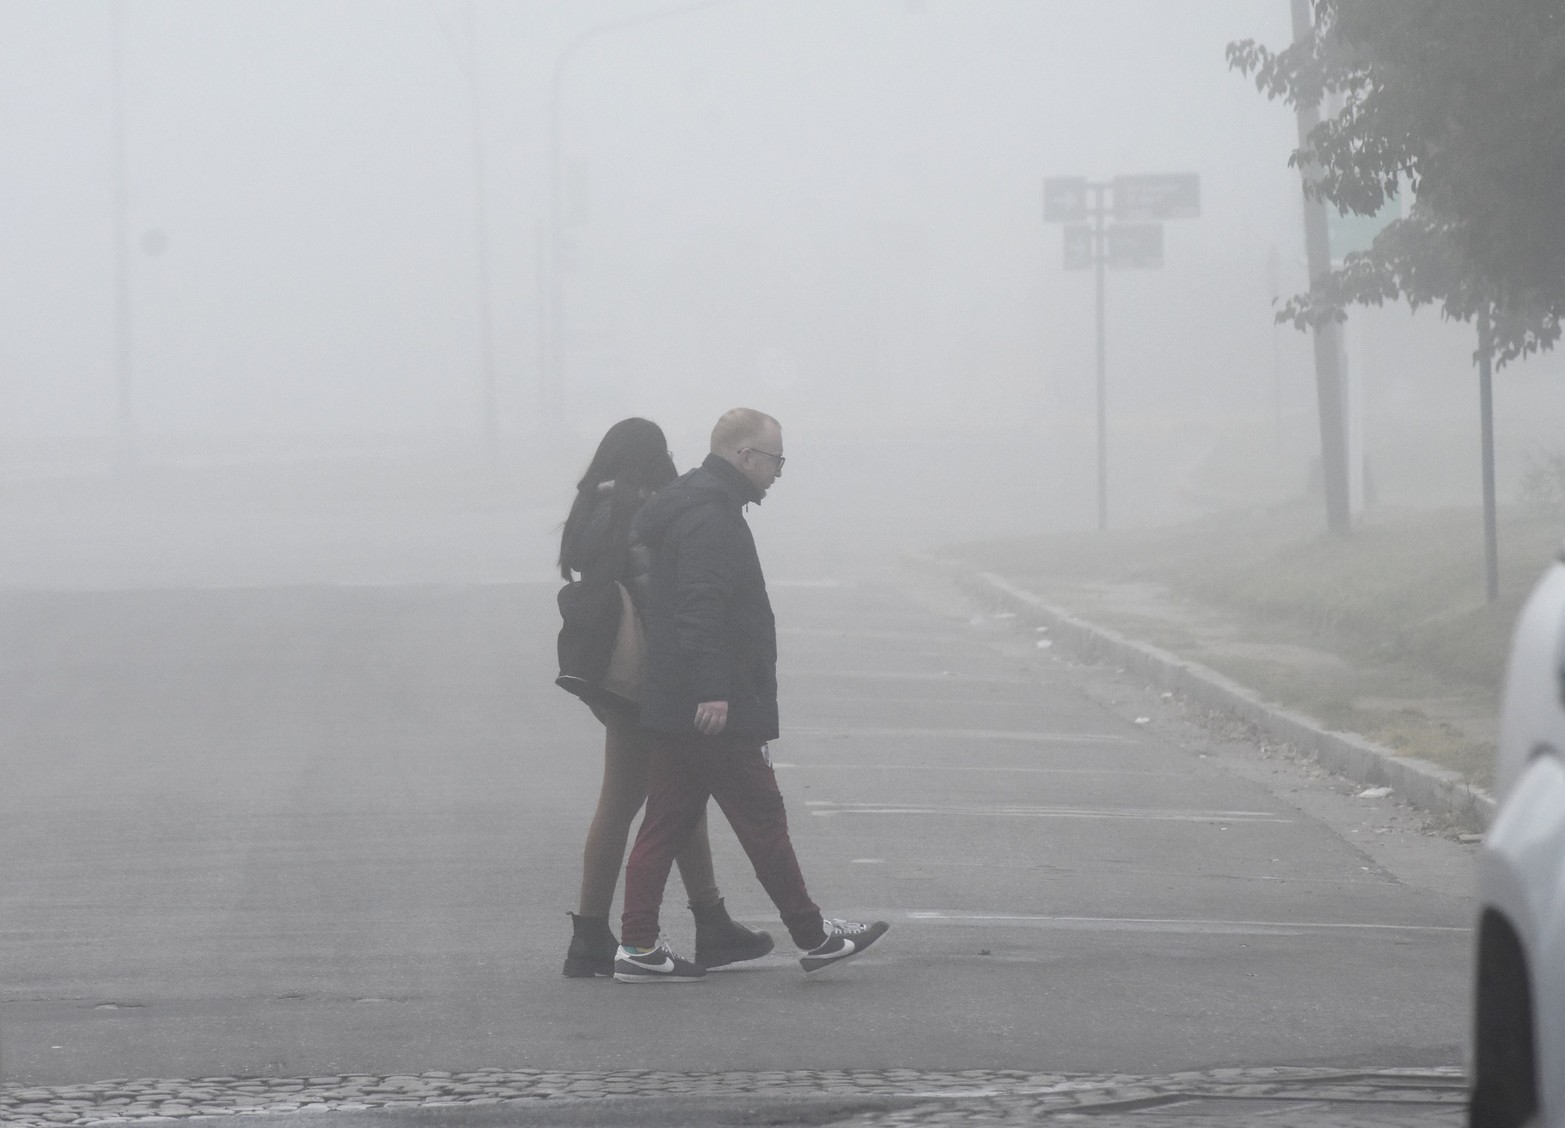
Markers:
492,1098
1237,667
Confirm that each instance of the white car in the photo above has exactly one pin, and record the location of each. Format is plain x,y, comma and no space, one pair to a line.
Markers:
1518,1062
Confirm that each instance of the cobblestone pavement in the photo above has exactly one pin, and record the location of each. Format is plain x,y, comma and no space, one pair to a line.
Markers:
1285,1097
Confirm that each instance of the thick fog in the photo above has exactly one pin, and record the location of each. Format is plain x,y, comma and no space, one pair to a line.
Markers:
308,290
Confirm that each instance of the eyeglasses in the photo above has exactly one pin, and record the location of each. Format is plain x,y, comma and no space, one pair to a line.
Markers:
779,458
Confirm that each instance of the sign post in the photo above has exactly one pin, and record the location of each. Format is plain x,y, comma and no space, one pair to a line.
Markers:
1080,239
1134,242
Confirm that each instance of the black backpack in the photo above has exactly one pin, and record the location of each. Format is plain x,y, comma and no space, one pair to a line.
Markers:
589,613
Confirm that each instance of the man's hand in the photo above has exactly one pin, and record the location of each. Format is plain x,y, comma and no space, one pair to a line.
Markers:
711,717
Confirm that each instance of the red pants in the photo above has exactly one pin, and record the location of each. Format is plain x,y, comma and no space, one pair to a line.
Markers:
682,772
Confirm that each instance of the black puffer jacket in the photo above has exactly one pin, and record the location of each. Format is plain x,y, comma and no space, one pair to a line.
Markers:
710,631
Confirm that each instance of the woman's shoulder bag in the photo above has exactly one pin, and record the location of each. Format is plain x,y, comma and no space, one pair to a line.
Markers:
601,645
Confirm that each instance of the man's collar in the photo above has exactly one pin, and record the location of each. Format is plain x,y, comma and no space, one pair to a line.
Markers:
731,479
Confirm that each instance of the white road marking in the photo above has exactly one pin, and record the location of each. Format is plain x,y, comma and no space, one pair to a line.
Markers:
1145,871
968,769
925,699
1023,736
895,636
892,675
1156,924
825,808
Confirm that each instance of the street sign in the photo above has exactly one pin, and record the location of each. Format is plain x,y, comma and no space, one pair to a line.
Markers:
1078,247
1065,199
1172,196
1134,245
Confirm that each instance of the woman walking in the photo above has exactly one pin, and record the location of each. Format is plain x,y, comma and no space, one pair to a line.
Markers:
632,461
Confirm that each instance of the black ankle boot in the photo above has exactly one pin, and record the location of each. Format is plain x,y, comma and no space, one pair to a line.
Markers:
720,941
592,948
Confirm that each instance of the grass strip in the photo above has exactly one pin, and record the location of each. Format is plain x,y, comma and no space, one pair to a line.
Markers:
1384,631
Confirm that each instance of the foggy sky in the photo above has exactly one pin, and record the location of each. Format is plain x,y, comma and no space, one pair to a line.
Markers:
827,208
763,191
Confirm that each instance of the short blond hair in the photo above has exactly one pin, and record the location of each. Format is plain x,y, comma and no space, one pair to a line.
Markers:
739,428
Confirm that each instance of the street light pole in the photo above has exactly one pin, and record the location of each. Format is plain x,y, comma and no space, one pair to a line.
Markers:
125,437
466,59
552,307
489,394
1491,548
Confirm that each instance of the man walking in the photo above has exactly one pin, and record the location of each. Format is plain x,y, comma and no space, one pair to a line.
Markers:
711,702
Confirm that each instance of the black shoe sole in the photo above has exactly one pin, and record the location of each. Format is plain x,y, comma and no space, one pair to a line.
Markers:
722,957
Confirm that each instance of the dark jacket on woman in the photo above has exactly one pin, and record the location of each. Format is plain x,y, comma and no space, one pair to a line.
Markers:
596,544
710,631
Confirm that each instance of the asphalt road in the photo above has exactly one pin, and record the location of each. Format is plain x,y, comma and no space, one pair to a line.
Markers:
329,830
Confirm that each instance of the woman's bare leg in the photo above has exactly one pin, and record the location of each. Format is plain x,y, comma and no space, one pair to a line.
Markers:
623,792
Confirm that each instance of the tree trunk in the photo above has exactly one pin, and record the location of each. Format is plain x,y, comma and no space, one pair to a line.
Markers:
1328,346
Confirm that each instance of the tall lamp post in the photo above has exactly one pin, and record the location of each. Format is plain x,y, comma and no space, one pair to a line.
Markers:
1491,548
489,398
467,65
126,440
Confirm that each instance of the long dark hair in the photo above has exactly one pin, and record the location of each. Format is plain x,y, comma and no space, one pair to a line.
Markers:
633,456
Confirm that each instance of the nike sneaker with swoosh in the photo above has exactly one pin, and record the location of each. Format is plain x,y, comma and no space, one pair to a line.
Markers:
659,965
844,940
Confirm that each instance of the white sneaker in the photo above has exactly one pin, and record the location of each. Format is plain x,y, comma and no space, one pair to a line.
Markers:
844,940
660,965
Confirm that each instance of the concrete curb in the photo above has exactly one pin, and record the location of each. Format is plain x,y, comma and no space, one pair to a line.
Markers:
1424,785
